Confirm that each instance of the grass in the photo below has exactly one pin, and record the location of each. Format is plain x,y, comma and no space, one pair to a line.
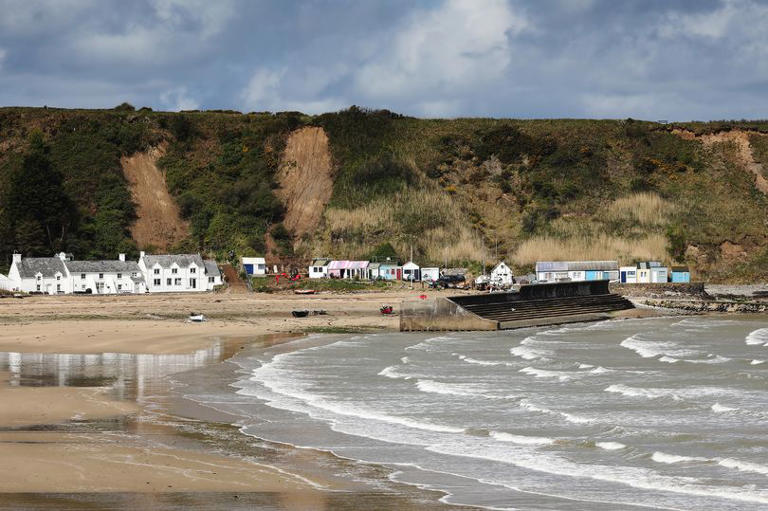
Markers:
599,248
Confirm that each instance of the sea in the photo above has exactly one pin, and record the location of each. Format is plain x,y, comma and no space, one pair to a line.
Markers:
654,413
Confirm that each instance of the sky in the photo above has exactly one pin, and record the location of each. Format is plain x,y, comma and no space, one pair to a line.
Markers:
646,59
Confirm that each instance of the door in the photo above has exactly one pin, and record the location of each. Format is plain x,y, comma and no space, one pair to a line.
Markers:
623,277
248,269
399,274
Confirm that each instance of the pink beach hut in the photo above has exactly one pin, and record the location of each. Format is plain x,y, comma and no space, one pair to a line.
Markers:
338,269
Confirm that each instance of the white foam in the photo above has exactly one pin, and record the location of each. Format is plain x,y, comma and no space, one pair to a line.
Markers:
455,389
668,351
661,457
718,408
543,373
391,372
744,466
610,446
757,362
655,393
527,352
668,360
520,439
470,360
759,336
601,370
716,359
524,403
585,366
405,360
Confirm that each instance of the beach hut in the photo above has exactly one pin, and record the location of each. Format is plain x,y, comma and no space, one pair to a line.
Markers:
680,274
338,269
659,275
411,272
319,268
501,275
577,271
358,270
628,274
390,270
430,274
374,271
254,266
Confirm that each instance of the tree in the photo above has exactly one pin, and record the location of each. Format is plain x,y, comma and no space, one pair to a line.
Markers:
37,212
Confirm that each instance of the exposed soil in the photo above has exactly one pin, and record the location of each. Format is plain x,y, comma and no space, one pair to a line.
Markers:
159,223
306,179
744,150
234,283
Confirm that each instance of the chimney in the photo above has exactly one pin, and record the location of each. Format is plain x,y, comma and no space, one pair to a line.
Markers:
141,255
16,257
63,256
121,257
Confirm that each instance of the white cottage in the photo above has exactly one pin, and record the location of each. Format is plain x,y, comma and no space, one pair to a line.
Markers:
106,277
255,266
319,268
411,271
430,274
212,273
46,275
501,275
175,273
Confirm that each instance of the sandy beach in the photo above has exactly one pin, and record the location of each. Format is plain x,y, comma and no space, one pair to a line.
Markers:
86,430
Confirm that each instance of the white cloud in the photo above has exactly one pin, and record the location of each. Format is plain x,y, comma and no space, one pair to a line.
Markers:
30,17
731,18
3,53
278,90
455,47
178,99
210,16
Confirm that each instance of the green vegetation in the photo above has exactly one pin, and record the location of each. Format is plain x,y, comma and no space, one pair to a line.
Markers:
269,285
454,192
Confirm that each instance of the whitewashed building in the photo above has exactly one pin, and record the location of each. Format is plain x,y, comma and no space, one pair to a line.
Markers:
255,266
501,275
628,274
411,271
46,275
106,277
319,268
430,274
212,273
577,271
175,273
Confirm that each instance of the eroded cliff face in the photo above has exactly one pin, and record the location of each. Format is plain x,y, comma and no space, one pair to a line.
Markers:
306,180
159,223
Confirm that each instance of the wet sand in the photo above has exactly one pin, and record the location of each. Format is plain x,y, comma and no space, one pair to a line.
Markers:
89,421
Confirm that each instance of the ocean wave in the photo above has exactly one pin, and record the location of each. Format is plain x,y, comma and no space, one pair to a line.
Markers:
391,372
585,366
656,393
521,439
669,351
718,408
661,457
713,359
759,336
757,362
610,446
470,360
601,370
527,352
575,419
456,389
744,466
668,360
543,373
426,344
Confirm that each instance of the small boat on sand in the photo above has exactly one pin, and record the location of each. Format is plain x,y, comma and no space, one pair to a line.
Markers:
196,318
300,313
387,309
304,291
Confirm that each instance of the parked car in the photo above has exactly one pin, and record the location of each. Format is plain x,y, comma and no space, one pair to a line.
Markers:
449,281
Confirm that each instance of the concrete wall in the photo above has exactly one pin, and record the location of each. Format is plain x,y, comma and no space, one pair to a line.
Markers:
440,314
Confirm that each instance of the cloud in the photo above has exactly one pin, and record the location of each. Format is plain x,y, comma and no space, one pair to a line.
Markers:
3,53
271,90
178,99
459,45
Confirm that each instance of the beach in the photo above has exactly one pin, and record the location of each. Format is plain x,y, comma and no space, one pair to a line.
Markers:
90,413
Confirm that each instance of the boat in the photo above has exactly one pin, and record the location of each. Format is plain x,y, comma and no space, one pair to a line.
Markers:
300,313
387,309
196,318
304,291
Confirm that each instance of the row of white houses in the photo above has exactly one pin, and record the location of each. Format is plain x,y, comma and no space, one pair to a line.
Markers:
648,272
150,274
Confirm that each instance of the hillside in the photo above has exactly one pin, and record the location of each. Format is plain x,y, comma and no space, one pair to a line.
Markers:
358,183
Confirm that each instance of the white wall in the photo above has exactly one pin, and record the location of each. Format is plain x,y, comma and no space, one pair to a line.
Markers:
179,279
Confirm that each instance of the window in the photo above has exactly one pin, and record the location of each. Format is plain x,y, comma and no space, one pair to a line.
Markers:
101,275
82,276
58,277
134,274
192,269
38,287
58,288
210,279
119,287
119,275
157,282
157,271
174,270
168,282
176,282
39,277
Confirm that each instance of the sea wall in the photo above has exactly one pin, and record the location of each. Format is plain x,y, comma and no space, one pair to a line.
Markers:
440,314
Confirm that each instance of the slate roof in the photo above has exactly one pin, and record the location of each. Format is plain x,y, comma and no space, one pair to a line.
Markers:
211,268
102,267
167,260
577,265
322,261
47,266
